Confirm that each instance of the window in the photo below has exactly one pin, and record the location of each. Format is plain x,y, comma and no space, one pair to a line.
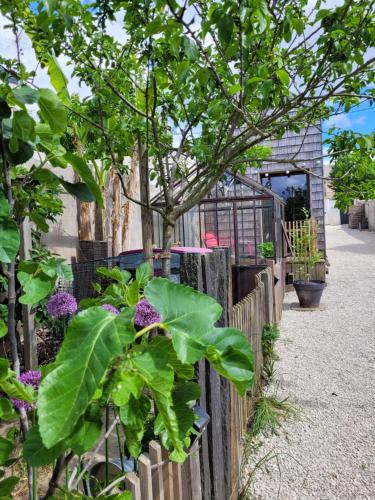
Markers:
293,188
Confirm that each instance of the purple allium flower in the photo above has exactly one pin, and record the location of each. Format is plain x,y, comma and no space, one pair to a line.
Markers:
28,378
145,314
110,308
61,304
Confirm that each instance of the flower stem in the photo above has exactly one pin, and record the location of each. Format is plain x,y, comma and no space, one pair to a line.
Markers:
148,328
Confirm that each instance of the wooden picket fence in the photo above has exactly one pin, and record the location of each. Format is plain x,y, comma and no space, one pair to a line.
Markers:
296,228
158,478
250,315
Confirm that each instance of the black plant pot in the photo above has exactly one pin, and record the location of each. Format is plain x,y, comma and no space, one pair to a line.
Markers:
309,293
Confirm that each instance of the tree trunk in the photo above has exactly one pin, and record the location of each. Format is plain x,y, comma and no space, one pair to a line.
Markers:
132,187
83,208
168,228
100,233
146,213
115,216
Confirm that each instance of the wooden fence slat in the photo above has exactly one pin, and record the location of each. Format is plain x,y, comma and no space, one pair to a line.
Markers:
167,470
132,484
177,481
157,473
145,478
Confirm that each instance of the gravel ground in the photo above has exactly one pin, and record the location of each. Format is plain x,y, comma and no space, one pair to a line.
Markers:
327,365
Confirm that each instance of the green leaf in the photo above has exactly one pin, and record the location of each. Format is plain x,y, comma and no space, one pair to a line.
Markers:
16,389
83,170
39,220
58,79
225,29
234,89
78,190
190,49
143,274
186,313
283,76
5,111
52,110
23,126
94,337
115,273
134,416
4,207
152,365
87,431
26,95
231,355
4,368
9,240
7,411
132,294
35,286
3,328
34,451
22,155
6,448
129,384
7,485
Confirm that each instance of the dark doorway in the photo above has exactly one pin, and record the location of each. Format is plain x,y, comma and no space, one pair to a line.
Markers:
293,188
344,218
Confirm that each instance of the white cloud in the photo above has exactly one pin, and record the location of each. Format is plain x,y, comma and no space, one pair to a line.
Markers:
341,120
360,120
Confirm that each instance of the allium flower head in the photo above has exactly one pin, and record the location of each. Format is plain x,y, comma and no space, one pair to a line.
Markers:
28,378
110,308
61,304
145,314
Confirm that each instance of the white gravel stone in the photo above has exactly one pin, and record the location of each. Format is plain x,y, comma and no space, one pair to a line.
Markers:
327,366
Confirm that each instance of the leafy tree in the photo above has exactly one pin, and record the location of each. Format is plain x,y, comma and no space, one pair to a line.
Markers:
352,175
203,84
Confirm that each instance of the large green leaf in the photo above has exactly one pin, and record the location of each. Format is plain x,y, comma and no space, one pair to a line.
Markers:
79,190
34,451
152,365
52,110
36,286
115,273
187,313
231,355
83,170
26,95
23,126
58,79
9,240
94,337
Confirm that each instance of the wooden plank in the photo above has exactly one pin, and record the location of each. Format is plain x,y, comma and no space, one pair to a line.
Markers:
145,477
156,473
132,484
195,468
177,481
167,470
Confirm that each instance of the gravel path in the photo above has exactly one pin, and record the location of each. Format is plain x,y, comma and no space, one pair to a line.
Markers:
327,365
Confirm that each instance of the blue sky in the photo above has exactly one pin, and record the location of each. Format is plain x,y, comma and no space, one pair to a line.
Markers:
360,119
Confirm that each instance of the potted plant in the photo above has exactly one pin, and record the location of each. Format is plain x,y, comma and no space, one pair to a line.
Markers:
266,250
306,255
